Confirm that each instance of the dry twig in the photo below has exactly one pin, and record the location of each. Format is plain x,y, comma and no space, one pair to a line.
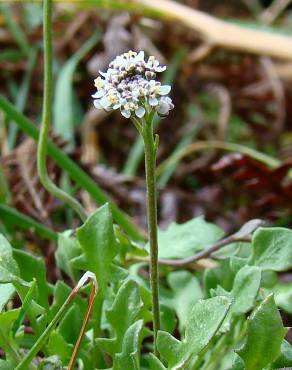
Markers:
219,32
242,235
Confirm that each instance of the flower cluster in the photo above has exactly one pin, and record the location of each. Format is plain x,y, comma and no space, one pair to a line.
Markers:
130,85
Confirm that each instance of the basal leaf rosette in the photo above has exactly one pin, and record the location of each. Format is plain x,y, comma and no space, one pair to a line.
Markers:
130,85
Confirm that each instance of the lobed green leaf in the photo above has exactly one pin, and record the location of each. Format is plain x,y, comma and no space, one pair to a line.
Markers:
183,240
97,239
272,249
204,321
265,333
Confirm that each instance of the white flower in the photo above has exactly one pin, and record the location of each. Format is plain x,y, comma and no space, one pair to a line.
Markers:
153,65
164,106
130,85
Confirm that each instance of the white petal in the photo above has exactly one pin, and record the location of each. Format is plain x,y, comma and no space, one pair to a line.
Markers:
164,89
169,102
119,61
107,73
98,94
97,104
160,68
116,106
153,102
126,113
104,102
162,108
99,83
104,74
140,56
140,112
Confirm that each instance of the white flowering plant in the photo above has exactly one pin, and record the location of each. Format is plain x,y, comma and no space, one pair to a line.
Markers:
130,85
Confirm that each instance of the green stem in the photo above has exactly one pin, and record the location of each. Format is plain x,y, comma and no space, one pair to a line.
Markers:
216,354
26,361
23,365
47,117
150,162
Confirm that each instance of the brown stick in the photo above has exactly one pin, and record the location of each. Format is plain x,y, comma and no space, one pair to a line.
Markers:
73,358
203,254
242,235
219,32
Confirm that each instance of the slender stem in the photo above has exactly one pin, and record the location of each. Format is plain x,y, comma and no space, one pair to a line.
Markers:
150,161
215,356
47,117
26,361
93,293
43,338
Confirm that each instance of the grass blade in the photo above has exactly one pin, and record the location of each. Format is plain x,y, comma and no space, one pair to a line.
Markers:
64,122
14,28
186,140
176,157
25,305
4,189
21,97
11,216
